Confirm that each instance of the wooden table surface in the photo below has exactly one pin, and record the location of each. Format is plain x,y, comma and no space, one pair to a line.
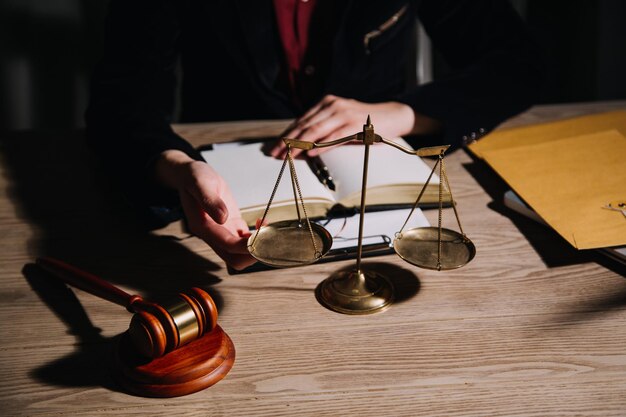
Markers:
529,328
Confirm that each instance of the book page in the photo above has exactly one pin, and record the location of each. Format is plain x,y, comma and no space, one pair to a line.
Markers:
251,176
387,166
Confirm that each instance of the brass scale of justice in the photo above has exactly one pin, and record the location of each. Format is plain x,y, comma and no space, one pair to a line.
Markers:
298,242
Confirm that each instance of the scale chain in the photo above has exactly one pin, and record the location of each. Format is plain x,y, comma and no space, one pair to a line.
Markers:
456,214
269,203
292,171
294,177
439,244
419,197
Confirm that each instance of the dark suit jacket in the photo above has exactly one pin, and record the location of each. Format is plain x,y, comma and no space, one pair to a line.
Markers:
231,57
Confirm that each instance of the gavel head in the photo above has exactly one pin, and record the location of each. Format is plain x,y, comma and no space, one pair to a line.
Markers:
157,329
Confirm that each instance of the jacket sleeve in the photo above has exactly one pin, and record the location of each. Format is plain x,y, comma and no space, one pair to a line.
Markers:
496,67
132,96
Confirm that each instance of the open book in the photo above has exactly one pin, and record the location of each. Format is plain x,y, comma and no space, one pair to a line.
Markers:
394,180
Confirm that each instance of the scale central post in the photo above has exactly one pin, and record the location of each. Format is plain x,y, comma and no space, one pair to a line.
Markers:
357,291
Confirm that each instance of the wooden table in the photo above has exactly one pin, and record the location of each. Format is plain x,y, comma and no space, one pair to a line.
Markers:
530,327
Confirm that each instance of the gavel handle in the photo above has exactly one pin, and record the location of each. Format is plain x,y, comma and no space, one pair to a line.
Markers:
88,282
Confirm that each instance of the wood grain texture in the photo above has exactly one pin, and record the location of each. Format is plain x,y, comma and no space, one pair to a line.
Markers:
530,327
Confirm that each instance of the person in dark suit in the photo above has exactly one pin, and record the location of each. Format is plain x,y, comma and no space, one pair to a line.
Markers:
325,63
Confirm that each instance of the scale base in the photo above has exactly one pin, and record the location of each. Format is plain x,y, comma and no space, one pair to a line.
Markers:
355,292
188,369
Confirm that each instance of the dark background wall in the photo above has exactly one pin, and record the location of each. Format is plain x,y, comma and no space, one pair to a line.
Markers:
47,51
585,41
48,48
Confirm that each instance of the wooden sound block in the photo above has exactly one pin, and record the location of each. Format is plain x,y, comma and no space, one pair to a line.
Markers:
188,369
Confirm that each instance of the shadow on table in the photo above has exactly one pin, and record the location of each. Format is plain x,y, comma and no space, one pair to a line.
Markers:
405,283
553,250
79,219
594,305
87,366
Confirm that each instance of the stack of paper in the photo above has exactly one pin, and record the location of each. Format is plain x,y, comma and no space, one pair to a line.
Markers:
566,172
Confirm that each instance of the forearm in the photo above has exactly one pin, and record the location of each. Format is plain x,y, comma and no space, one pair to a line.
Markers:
412,122
168,166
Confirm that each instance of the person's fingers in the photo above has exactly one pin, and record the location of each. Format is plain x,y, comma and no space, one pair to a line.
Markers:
231,204
323,129
222,239
232,249
207,196
241,246
298,126
342,132
273,148
325,112
260,222
238,227
239,262
201,202
195,215
327,128
324,102
203,226
269,146
280,151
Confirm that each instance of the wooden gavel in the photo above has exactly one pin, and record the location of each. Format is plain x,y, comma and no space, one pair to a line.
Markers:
154,329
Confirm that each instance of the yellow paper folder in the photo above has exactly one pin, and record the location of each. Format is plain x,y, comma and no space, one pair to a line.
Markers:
543,132
567,181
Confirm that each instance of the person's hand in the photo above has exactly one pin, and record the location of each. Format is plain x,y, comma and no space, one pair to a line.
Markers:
336,117
211,211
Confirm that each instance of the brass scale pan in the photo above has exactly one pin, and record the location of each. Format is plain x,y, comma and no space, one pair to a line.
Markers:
289,243
420,247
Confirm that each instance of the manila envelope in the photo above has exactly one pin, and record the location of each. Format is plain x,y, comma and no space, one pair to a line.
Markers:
543,132
567,181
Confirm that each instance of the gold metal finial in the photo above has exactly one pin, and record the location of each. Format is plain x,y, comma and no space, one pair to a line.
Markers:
368,137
